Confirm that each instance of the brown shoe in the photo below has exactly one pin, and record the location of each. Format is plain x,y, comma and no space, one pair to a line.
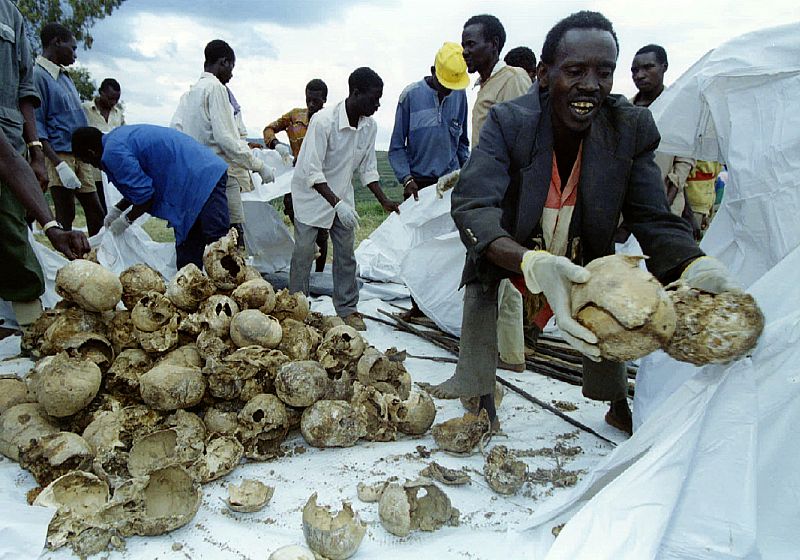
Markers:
356,321
619,417
517,368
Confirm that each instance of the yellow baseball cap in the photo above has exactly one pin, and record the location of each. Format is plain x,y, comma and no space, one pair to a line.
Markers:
451,70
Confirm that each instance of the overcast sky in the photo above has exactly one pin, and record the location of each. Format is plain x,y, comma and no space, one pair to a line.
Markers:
155,47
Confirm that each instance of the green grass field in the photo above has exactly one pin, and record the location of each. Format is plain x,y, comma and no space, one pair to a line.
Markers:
372,215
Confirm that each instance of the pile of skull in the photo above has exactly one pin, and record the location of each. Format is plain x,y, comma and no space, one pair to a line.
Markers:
127,411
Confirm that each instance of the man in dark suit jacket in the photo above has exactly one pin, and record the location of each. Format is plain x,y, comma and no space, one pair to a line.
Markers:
517,220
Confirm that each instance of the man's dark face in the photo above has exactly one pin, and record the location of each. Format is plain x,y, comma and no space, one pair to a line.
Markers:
580,78
109,96
368,101
647,72
437,84
479,54
314,101
66,52
224,72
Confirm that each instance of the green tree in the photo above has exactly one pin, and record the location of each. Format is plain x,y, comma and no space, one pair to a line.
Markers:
76,15
83,82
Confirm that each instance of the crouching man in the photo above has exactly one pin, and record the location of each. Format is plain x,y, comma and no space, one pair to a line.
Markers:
542,194
166,174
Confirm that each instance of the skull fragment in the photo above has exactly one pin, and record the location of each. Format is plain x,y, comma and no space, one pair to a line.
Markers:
290,306
416,505
332,424
301,383
625,306
385,372
336,537
249,496
504,473
372,407
189,288
54,455
461,435
224,263
255,294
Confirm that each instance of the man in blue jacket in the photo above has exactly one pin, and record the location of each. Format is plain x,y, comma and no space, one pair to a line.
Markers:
430,126
166,174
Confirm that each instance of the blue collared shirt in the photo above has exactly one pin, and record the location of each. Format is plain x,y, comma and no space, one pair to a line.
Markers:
429,138
147,162
61,111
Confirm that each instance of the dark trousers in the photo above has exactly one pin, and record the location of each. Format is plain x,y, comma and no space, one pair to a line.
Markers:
22,279
212,223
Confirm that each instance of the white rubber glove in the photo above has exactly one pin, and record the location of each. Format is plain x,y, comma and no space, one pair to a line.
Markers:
285,152
68,178
113,214
553,276
119,225
347,215
709,275
266,173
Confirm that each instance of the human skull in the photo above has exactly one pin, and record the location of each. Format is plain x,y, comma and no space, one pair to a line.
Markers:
65,385
249,496
137,281
301,384
122,378
20,425
154,504
152,311
332,424
215,315
222,418
332,536
385,372
299,340
461,435
290,306
714,329
413,416
78,498
111,435
121,332
504,473
255,294
181,444
189,288
416,505
263,425
223,262
54,455
372,406
88,284
92,347
341,346
252,327
67,324
625,306
170,387
161,340
340,386
243,373
222,455
13,391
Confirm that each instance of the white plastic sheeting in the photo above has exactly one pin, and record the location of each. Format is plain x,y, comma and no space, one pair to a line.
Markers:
711,471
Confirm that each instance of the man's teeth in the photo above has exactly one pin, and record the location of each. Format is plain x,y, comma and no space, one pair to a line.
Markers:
582,107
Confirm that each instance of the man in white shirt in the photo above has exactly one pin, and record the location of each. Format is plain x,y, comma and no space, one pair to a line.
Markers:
206,113
340,139
105,114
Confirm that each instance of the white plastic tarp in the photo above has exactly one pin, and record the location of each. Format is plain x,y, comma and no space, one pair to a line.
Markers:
711,471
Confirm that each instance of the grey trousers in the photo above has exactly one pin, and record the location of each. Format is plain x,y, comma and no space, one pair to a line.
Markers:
477,358
345,288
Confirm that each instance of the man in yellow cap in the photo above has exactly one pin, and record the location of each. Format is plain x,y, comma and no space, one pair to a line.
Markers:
430,126
429,139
